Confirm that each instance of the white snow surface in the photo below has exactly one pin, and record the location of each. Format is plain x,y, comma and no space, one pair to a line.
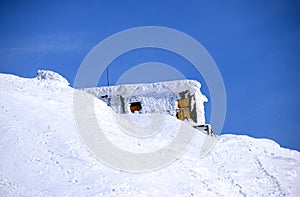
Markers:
41,153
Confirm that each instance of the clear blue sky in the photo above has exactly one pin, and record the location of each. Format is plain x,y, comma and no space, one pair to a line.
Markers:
256,45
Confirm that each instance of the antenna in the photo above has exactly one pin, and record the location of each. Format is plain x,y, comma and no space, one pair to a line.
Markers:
107,76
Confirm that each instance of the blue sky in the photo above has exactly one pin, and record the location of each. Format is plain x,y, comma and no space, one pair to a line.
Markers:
255,44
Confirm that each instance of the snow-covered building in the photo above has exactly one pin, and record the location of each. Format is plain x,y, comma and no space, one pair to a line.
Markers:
181,98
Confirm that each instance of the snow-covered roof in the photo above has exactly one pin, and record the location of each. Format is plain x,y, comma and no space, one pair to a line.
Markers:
161,88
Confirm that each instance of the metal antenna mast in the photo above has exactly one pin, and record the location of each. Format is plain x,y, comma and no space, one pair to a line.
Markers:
107,76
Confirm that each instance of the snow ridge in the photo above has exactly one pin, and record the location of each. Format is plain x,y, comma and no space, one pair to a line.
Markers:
41,153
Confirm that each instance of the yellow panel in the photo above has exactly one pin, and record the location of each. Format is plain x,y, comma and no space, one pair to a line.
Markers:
184,110
184,103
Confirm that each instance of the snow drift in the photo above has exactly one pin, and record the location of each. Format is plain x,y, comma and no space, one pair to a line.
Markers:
41,154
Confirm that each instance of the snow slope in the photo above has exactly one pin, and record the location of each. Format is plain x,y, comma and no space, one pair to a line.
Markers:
41,154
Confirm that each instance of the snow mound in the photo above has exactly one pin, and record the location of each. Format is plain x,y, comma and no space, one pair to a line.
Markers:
41,154
51,77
